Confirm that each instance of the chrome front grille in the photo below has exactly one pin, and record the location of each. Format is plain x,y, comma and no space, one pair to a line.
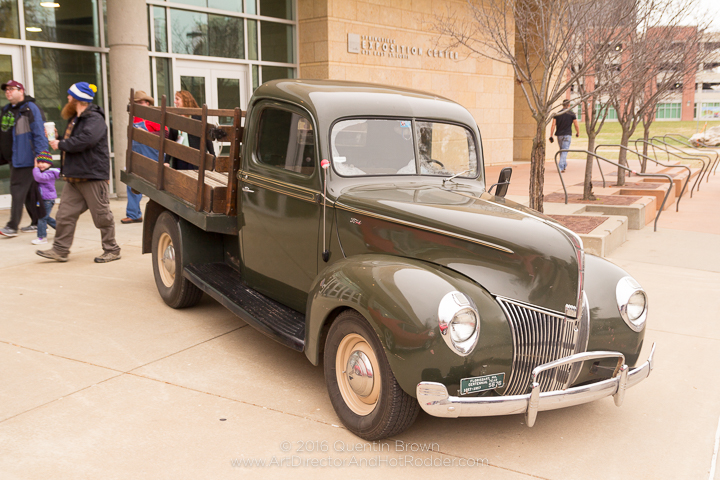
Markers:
540,337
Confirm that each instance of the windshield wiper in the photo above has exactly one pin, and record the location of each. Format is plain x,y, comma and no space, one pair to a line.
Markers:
451,178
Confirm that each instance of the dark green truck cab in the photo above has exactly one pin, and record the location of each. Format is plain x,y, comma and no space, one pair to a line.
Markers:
356,225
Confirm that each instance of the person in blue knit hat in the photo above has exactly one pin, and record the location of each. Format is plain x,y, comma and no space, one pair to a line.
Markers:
86,169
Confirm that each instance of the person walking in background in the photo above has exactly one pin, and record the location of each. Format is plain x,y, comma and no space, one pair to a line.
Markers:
86,171
184,99
562,126
45,176
133,212
22,138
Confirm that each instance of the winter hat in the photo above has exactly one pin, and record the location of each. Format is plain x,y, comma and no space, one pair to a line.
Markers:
44,156
82,91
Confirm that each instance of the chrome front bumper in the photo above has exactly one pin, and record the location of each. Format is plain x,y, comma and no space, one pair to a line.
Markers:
434,398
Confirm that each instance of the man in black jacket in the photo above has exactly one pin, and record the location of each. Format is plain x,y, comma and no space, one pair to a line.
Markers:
86,169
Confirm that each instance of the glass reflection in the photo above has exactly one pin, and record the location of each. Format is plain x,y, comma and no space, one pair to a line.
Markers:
54,71
196,86
196,33
277,9
277,42
160,20
9,24
273,73
164,79
73,22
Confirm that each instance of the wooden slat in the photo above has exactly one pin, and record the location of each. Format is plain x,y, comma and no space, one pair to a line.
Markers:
223,164
146,138
185,124
180,184
201,159
220,178
187,154
161,151
148,113
128,150
214,112
231,194
144,167
219,202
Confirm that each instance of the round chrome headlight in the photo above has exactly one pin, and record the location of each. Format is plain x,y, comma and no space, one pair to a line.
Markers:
459,322
632,303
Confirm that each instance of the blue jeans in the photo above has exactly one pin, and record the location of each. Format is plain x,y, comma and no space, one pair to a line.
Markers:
133,206
46,220
563,144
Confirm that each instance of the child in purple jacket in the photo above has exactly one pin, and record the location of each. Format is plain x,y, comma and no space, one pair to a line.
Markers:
45,177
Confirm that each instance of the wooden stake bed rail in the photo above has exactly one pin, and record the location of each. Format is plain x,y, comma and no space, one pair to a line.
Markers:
212,188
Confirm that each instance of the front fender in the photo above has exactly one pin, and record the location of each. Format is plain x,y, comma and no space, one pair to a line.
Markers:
399,298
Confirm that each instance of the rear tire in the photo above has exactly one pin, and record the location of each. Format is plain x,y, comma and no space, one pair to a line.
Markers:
175,290
371,406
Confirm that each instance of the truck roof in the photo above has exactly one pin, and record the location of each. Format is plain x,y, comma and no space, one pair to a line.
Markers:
328,100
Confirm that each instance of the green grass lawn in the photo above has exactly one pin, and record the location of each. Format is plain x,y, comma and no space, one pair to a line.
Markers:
611,133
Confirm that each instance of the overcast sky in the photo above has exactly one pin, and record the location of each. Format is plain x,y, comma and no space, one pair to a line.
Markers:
712,7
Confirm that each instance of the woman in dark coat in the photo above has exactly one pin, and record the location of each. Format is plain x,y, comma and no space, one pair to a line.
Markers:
184,99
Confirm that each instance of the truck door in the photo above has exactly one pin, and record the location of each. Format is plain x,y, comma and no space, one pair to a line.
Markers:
280,189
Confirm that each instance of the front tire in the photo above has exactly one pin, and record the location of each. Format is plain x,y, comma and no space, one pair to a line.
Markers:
175,290
361,385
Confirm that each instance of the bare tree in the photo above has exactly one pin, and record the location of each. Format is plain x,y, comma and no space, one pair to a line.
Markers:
660,54
540,40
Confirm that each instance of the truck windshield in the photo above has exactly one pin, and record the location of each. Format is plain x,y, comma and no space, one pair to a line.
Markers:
388,147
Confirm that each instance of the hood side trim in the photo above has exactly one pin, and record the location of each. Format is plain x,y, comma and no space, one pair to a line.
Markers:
422,227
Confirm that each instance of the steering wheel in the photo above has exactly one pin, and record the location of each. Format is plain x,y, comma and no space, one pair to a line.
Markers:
435,161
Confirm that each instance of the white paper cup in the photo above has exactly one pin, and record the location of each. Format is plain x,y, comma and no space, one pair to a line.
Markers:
50,130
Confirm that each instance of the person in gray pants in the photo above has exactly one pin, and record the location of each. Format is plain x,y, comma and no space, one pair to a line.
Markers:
86,171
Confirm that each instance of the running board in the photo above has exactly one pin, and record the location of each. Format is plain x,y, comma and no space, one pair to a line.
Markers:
224,284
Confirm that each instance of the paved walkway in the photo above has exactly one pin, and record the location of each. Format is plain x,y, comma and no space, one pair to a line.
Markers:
99,379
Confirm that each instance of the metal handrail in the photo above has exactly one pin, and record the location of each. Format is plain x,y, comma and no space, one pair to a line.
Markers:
587,152
682,190
668,152
686,142
702,173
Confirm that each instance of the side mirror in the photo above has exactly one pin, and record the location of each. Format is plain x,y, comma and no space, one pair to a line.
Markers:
503,182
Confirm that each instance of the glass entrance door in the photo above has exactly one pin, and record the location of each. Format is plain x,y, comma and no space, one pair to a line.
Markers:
217,84
10,69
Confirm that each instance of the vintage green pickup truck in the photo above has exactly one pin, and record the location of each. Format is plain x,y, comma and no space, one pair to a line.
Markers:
353,222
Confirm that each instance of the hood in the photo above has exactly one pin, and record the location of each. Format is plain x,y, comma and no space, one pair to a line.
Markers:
93,109
508,249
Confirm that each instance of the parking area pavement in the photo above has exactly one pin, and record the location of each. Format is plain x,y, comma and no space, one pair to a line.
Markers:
100,379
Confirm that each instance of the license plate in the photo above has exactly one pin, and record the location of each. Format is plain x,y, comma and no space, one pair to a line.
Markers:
480,384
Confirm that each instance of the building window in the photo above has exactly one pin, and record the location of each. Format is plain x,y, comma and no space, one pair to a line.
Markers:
228,5
277,9
164,80
611,113
272,73
277,42
668,111
710,110
55,70
9,25
195,33
160,23
69,22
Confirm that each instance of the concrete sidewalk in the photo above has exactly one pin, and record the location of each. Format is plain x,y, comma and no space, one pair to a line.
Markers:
99,379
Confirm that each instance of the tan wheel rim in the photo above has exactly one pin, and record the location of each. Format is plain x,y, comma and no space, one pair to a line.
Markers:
355,344
166,260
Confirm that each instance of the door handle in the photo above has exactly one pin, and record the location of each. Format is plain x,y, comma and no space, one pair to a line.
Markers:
247,190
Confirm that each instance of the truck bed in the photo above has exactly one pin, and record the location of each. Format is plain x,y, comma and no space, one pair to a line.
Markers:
207,197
